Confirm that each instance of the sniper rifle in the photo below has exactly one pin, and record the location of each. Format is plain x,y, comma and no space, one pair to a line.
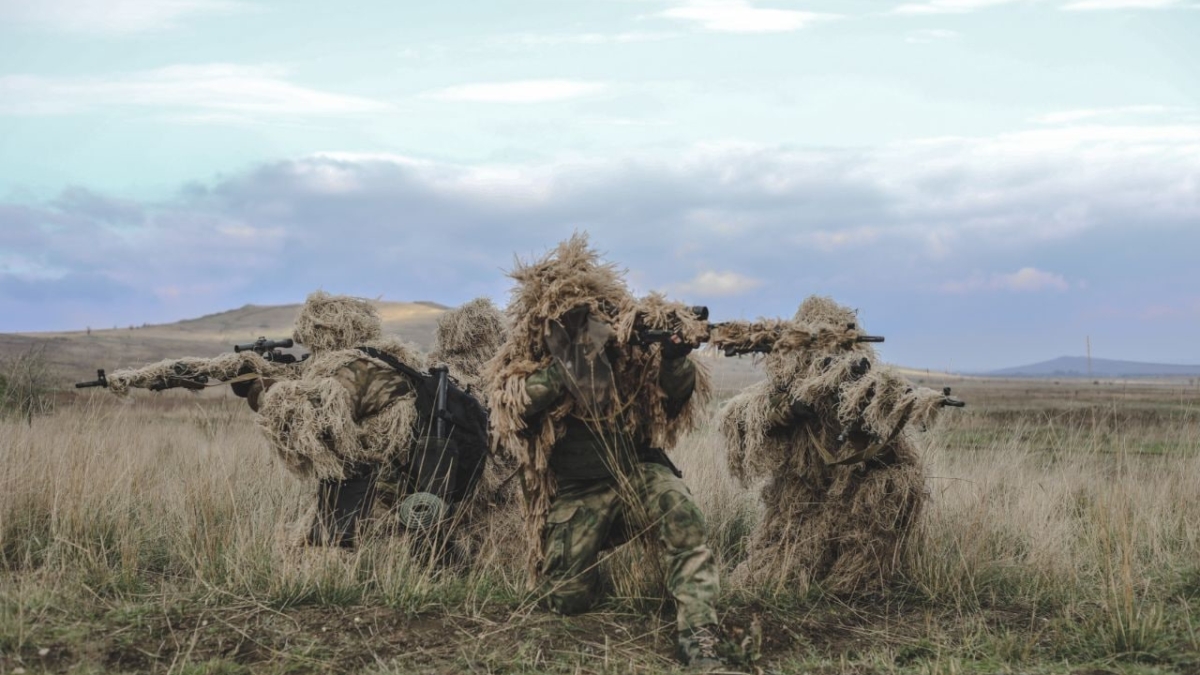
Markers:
269,349
736,338
184,374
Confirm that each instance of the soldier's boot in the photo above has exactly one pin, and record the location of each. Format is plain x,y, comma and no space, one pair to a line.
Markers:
697,649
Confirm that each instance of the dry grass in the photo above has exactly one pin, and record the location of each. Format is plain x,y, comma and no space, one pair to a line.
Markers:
154,537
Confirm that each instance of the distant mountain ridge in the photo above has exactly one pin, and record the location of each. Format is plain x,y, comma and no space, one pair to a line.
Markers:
1077,366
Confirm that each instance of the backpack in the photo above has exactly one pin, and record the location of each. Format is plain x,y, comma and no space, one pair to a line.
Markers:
451,466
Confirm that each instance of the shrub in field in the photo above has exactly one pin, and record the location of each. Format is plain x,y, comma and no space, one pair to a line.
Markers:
26,384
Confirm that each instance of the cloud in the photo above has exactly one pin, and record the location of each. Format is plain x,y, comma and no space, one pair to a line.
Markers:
897,220
713,284
113,16
740,16
967,6
829,240
1113,113
1024,280
1092,5
528,40
951,6
518,91
921,37
217,89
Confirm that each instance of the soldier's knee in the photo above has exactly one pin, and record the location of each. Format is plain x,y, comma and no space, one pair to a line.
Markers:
682,523
572,596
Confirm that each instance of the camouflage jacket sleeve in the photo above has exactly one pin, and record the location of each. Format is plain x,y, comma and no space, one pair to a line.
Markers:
678,380
372,387
544,388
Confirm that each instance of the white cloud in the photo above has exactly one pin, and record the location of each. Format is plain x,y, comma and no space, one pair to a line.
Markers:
739,16
966,6
921,37
713,284
1085,5
557,39
217,92
1024,280
1080,115
897,219
247,232
113,16
518,91
829,240
951,6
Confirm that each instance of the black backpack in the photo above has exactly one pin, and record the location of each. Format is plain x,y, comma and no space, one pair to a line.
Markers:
450,466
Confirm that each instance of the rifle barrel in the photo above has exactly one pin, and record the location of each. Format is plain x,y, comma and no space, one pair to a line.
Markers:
100,381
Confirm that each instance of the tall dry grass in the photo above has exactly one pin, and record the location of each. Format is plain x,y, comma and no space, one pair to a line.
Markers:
180,496
114,500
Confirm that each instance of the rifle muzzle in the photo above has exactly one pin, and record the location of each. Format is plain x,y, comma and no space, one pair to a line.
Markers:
100,381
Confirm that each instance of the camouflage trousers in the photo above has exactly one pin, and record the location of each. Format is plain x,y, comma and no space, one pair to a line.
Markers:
654,502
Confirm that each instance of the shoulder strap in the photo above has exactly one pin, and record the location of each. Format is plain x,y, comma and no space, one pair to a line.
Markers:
394,362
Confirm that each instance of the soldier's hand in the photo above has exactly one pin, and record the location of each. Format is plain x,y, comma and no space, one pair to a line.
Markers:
256,390
949,401
676,348
242,389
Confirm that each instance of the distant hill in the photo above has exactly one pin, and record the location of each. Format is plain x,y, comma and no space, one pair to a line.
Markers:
1077,366
76,354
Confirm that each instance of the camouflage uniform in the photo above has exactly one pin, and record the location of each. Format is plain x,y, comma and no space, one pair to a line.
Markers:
342,502
607,488
372,386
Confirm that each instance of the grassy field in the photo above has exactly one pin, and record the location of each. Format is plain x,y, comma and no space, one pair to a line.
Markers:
1062,535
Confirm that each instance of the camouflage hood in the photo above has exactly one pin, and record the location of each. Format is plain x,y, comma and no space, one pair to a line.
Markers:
466,338
332,322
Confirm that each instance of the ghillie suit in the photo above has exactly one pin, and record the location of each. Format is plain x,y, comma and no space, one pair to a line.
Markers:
348,407
586,412
827,429
196,373
467,337
348,418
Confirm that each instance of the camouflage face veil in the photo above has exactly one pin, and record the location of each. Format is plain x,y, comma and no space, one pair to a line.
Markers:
577,342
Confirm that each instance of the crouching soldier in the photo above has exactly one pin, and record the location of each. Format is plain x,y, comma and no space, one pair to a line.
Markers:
369,424
587,411
829,431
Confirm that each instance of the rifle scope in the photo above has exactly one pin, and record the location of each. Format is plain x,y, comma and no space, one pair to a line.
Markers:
262,344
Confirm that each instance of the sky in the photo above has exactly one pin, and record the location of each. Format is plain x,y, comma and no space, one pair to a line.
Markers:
988,182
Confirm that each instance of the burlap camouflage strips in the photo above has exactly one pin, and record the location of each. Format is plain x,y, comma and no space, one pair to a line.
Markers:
652,503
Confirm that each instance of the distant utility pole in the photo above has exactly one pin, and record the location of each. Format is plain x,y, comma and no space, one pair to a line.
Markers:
1089,355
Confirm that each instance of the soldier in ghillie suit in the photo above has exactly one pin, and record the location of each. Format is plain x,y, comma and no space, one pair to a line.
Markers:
360,420
827,429
357,414
587,411
348,418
